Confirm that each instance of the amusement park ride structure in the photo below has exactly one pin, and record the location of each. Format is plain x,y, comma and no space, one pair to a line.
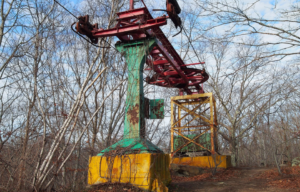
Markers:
138,24
142,41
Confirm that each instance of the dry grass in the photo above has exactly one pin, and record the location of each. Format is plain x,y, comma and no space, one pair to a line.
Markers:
290,177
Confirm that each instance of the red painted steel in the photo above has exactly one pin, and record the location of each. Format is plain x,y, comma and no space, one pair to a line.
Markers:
130,28
131,6
169,68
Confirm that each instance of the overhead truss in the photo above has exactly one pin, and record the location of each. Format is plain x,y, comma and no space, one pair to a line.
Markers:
169,69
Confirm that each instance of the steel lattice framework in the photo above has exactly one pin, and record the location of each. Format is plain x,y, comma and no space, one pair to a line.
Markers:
198,107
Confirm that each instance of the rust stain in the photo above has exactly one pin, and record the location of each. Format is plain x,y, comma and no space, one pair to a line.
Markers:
133,114
156,110
115,171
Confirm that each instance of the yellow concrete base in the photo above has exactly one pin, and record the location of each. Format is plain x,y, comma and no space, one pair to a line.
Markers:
147,171
222,161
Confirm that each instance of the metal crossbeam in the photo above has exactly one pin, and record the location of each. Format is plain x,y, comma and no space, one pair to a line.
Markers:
190,141
186,115
132,28
192,112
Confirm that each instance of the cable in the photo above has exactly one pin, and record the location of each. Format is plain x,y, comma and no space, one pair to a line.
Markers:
83,36
66,9
182,27
178,32
191,44
144,3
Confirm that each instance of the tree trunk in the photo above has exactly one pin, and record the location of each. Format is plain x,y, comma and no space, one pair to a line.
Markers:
30,108
234,152
76,167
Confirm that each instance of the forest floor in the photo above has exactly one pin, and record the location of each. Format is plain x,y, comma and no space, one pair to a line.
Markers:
225,180
240,180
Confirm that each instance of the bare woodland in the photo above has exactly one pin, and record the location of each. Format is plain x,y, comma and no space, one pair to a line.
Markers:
62,99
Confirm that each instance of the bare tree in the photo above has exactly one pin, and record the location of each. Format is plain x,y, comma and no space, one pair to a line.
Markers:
10,14
245,94
279,31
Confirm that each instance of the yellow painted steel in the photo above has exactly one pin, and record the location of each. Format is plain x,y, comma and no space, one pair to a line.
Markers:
194,96
210,120
222,161
148,171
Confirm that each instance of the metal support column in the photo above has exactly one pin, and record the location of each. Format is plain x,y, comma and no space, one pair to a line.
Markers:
135,53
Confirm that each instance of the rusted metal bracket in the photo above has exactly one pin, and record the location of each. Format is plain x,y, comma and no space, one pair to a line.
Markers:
84,27
173,10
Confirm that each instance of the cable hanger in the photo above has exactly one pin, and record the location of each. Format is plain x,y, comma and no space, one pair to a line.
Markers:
80,34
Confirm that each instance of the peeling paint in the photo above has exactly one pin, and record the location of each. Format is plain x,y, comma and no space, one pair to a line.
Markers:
133,114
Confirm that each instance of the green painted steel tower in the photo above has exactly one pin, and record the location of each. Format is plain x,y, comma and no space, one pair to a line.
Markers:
134,127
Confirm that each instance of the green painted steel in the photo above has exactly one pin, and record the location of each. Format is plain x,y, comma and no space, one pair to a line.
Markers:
202,140
134,140
157,109
135,54
128,146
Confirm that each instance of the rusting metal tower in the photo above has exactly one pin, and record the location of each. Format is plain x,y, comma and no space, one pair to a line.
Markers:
135,159
196,106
